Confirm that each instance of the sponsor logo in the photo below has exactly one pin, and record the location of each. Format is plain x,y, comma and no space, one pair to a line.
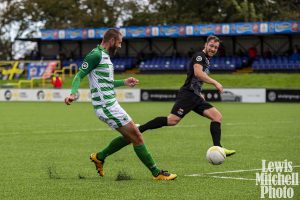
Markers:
180,111
198,58
145,96
230,96
57,95
272,96
129,95
7,95
84,65
40,95
212,96
283,95
23,95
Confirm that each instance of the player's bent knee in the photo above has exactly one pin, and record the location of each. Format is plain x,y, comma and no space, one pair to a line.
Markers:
173,121
138,140
217,118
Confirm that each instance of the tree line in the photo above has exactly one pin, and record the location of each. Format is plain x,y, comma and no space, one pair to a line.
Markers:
25,17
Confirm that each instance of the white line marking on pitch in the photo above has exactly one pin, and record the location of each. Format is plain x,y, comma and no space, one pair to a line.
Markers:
234,178
233,171
222,177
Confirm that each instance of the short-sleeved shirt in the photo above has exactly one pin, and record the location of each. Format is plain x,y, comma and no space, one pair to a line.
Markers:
99,68
192,83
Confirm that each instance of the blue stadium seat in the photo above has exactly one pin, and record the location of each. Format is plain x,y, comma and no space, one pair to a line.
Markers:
165,64
278,63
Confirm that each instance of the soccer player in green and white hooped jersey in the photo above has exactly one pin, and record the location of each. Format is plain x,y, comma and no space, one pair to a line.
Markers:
99,68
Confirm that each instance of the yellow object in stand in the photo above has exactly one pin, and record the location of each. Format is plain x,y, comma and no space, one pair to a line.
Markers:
25,81
11,72
71,68
63,72
64,69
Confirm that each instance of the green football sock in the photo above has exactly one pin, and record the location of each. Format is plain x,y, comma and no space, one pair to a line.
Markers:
114,146
144,155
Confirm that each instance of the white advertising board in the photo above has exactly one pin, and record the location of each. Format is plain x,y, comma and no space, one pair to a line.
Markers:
246,95
58,95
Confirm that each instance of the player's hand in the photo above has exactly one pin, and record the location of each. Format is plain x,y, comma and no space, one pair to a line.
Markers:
69,99
131,82
219,87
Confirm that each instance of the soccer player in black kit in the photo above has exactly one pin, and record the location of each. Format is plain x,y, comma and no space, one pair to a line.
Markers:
189,97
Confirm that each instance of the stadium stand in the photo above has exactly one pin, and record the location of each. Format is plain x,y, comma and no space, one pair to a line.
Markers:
123,63
228,63
218,64
169,48
164,64
120,63
279,63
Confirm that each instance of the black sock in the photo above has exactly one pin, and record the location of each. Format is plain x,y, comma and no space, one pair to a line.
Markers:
215,131
154,123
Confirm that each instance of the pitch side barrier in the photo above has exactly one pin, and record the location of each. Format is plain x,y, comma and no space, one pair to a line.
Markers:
58,95
244,95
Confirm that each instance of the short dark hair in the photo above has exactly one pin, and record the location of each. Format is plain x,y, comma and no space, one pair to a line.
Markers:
111,33
212,37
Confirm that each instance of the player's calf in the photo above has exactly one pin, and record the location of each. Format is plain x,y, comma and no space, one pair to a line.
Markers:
155,123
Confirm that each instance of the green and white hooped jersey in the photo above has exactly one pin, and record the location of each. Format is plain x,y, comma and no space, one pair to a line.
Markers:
99,68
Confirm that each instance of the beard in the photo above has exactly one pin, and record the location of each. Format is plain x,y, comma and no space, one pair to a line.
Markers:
209,53
112,51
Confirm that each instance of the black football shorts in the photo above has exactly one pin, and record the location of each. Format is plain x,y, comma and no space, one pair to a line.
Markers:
187,101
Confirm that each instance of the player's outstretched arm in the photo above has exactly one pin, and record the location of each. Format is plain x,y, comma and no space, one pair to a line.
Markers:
205,78
130,82
75,85
89,63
